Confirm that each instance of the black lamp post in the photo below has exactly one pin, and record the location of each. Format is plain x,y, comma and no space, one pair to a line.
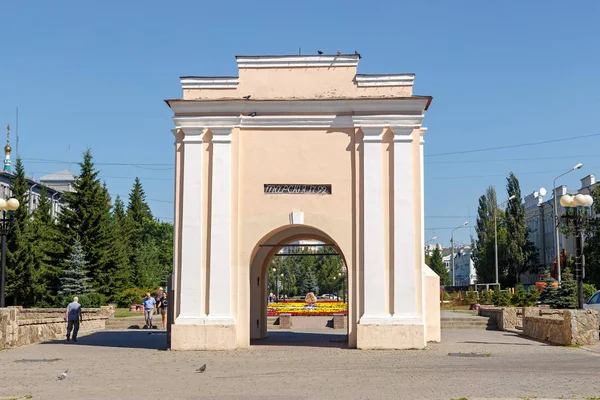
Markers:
576,211
7,208
276,285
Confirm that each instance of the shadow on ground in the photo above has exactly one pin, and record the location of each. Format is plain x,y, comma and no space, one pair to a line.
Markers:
137,339
303,339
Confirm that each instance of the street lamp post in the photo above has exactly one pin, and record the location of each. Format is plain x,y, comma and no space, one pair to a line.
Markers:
8,208
554,210
283,286
276,285
464,224
496,235
345,284
576,210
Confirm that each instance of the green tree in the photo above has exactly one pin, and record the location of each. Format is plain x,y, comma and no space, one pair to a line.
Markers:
484,249
592,242
42,249
137,209
436,263
120,250
520,255
75,280
87,217
309,282
20,273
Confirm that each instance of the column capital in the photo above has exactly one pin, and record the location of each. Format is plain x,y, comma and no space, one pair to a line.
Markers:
372,134
402,133
422,133
221,134
192,135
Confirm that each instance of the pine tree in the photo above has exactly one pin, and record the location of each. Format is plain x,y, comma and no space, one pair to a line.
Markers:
567,293
309,283
137,209
74,280
520,254
87,217
121,248
20,273
437,265
43,237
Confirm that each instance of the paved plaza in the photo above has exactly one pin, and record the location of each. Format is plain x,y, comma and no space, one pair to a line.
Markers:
300,365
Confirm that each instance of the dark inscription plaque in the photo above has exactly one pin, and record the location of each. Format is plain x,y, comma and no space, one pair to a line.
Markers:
297,189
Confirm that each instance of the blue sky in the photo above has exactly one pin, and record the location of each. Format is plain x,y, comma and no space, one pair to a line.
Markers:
510,72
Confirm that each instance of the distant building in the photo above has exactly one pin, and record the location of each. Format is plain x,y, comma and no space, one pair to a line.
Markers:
540,221
464,268
56,184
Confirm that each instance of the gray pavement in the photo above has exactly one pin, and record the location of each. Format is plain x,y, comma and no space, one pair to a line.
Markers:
300,365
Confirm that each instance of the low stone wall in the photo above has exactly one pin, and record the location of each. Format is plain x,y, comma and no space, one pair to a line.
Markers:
563,327
506,317
21,327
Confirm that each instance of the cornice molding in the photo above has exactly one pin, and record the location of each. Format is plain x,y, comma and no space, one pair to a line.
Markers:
209,82
383,121
398,121
343,60
240,106
385,80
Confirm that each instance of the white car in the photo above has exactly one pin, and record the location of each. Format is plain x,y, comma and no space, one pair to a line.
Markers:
593,303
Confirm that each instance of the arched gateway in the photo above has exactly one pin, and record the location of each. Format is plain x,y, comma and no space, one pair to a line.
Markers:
300,147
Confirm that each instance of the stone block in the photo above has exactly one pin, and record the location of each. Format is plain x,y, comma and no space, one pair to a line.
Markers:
390,336
203,337
285,321
508,319
339,321
581,326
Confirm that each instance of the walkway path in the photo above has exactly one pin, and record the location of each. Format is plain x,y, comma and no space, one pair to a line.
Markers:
114,365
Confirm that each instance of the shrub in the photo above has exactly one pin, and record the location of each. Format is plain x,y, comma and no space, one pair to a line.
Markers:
445,296
131,296
501,298
484,297
92,300
533,296
471,296
520,297
588,290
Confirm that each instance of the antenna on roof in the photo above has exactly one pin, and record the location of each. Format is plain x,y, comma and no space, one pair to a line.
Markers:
69,157
299,51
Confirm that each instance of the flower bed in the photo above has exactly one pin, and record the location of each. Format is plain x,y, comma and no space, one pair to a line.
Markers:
305,309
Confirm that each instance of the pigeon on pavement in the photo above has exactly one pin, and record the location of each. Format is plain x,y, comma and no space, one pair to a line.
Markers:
201,369
63,375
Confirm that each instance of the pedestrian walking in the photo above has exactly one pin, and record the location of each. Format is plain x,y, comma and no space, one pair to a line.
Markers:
73,316
159,295
149,306
162,306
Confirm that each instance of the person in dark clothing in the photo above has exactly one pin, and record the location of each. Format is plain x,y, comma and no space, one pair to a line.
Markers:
73,315
163,303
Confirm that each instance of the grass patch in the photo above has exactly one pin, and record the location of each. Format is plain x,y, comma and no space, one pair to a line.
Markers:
124,312
577,346
27,396
455,308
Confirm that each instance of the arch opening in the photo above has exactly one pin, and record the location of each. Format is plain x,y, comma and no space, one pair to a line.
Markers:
265,251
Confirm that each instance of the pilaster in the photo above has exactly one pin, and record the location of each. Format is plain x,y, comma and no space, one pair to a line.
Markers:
191,289
220,248
405,300
374,235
